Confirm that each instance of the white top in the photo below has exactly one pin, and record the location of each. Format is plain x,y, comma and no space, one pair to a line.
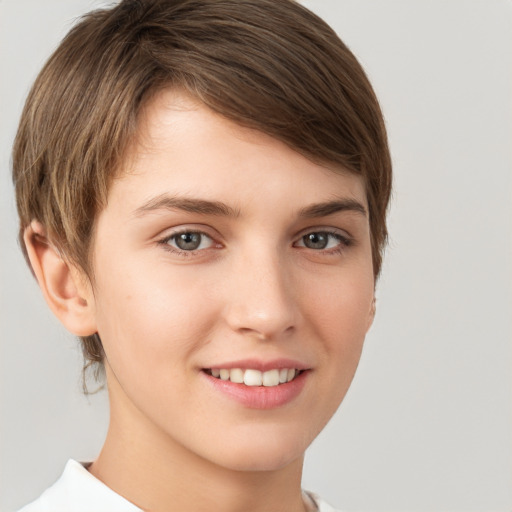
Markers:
79,491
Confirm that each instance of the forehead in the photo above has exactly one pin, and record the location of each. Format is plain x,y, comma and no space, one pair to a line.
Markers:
182,146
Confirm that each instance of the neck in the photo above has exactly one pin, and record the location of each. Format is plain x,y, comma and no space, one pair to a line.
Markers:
144,465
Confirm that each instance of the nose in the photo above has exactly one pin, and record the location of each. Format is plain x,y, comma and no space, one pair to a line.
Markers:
261,300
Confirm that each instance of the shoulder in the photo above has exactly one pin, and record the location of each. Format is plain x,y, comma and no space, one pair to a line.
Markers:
321,505
79,491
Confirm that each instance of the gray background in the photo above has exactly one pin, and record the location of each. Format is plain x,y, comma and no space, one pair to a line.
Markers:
427,424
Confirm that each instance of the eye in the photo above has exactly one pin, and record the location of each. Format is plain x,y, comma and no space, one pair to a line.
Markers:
188,241
323,240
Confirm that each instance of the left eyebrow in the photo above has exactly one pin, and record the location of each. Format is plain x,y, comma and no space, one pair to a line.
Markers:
331,207
187,204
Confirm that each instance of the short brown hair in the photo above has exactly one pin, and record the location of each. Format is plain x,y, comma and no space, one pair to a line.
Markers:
270,65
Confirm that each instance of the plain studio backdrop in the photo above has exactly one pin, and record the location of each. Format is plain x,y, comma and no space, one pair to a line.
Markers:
427,424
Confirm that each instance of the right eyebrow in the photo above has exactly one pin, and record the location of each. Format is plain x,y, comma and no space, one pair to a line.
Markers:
187,204
332,207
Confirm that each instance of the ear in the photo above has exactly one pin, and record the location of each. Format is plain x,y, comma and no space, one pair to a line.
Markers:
66,289
371,314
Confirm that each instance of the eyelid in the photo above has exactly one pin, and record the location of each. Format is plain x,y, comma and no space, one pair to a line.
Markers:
202,235
163,240
343,236
338,232
188,228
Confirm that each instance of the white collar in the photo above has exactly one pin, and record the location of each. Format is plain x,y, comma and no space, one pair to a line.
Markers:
77,490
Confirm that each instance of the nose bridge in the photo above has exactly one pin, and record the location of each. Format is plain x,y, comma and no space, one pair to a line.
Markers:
262,300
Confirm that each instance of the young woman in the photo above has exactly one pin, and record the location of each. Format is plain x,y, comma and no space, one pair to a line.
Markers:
202,189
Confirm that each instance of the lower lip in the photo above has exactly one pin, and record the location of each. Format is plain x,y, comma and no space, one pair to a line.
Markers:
259,397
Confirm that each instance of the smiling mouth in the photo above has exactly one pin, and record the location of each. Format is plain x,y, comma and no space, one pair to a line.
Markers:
250,377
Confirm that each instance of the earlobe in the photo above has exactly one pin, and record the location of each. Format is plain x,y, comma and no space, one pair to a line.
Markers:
66,290
371,316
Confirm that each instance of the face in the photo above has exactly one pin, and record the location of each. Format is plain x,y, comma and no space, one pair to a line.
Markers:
233,288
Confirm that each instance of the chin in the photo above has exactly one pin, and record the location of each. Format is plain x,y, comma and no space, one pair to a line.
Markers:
249,461
262,451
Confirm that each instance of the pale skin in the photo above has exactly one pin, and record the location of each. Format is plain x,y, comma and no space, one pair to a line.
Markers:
282,269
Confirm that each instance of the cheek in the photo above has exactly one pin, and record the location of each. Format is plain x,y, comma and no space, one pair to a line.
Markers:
343,304
337,315
150,317
341,313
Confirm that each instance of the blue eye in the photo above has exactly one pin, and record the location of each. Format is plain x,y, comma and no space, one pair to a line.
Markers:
322,240
189,241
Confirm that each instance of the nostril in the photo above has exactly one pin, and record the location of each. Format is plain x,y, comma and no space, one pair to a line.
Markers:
264,334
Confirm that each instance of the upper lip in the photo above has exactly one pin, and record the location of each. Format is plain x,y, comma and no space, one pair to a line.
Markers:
262,366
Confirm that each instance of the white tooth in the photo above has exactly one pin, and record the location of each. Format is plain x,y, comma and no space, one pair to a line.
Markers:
283,375
271,378
291,374
215,372
224,374
236,375
253,378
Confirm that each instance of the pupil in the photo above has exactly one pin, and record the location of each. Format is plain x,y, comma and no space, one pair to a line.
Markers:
188,241
316,240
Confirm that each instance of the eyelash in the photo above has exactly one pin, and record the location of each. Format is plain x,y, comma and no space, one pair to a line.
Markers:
344,242
181,252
